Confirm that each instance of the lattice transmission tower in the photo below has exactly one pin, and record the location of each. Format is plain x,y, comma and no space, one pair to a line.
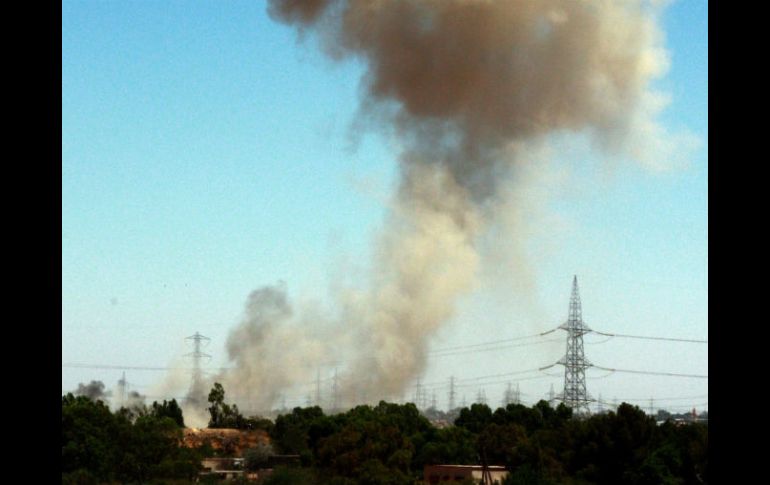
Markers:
197,394
575,395
122,384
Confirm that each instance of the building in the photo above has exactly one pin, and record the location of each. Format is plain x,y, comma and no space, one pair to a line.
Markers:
216,463
457,473
222,468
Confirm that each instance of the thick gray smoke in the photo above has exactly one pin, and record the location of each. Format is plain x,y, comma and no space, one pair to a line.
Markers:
134,400
465,85
271,350
94,390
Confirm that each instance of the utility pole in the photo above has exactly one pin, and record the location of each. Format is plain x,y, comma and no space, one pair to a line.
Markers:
486,476
318,387
451,393
197,393
575,395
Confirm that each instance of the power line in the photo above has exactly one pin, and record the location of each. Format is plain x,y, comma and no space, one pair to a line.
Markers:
462,349
492,342
490,376
489,349
575,363
600,377
669,339
121,367
665,408
504,381
669,374
682,398
444,352
599,342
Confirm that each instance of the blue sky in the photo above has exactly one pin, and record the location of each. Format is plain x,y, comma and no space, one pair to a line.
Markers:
207,152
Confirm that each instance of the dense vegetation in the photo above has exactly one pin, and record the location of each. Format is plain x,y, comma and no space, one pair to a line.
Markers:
100,446
224,415
388,444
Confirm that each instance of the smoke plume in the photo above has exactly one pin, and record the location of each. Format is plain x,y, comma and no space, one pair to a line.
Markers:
135,399
271,350
466,86
94,391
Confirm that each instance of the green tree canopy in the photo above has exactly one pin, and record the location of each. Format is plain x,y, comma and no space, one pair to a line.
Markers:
168,409
222,414
104,447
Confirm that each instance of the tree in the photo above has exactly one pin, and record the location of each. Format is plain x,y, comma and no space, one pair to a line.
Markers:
291,476
101,447
222,414
373,445
475,418
453,444
299,431
90,438
258,422
168,409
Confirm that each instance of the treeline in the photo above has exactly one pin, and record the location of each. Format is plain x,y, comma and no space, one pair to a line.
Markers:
126,446
389,444
540,445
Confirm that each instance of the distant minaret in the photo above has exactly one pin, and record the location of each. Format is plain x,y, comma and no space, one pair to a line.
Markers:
574,362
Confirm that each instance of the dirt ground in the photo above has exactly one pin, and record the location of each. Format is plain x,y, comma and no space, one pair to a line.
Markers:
231,441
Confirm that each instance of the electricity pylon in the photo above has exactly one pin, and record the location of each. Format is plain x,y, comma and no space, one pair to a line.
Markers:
122,390
575,395
197,393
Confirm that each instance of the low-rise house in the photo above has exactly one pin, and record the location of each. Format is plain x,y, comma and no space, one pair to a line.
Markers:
222,468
